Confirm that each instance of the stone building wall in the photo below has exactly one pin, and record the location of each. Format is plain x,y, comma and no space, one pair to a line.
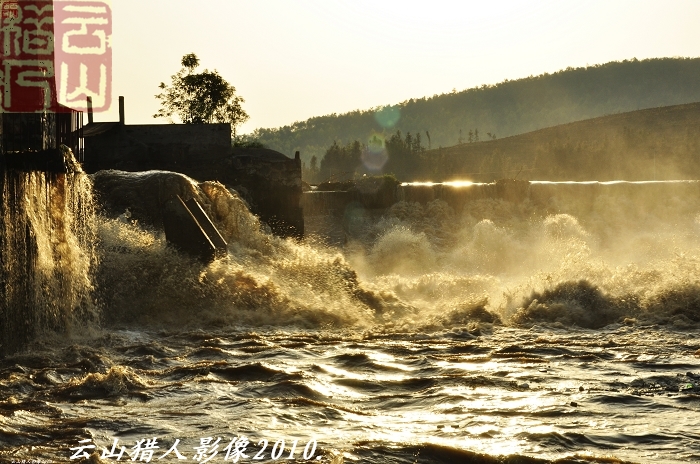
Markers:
271,183
172,147
268,180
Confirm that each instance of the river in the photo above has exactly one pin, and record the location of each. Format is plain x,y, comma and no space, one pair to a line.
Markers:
501,333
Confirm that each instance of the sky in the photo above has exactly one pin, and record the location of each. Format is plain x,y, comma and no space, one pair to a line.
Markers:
292,60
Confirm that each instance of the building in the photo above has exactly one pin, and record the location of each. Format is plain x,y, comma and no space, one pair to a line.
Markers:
32,141
268,180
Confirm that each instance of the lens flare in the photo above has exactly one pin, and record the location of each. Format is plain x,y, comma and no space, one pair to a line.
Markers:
388,116
375,157
376,143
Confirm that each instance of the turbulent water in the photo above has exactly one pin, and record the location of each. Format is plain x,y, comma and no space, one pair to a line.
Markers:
47,241
506,332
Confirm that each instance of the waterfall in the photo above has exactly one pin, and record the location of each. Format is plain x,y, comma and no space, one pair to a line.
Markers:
47,240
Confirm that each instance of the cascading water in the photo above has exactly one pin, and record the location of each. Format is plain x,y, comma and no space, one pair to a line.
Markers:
561,330
47,252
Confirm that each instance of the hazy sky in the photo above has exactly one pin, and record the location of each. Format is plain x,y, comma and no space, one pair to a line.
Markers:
293,59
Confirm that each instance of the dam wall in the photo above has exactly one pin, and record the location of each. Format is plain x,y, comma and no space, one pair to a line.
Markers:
326,211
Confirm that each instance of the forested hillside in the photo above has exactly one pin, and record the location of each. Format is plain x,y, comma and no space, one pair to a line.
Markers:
652,144
501,110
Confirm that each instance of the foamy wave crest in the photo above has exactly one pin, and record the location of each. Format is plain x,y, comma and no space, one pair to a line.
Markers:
143,280
417,267
531,266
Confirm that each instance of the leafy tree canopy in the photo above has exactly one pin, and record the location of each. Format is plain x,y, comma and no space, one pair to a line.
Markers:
197,98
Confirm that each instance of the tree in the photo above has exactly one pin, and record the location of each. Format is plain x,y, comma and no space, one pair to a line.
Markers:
341,162
404,154
311,173
198,98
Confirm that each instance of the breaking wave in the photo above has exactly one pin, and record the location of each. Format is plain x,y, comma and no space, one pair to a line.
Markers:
417,266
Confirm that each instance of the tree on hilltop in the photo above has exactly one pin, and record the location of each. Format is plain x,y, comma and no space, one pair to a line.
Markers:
199,98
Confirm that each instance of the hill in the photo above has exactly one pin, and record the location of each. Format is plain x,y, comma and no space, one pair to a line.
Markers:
652,144
504,109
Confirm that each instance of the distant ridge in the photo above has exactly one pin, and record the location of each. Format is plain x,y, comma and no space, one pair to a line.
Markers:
507,108
652,144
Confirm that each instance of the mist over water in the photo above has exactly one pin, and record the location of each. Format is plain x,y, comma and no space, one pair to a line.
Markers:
546,329
420,264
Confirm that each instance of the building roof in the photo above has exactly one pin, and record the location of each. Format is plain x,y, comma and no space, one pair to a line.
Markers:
97,128
264,153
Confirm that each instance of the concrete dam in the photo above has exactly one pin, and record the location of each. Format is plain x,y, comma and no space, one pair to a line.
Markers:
331,214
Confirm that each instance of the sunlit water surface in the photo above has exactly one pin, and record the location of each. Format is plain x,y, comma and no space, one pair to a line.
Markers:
504,330
626,392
